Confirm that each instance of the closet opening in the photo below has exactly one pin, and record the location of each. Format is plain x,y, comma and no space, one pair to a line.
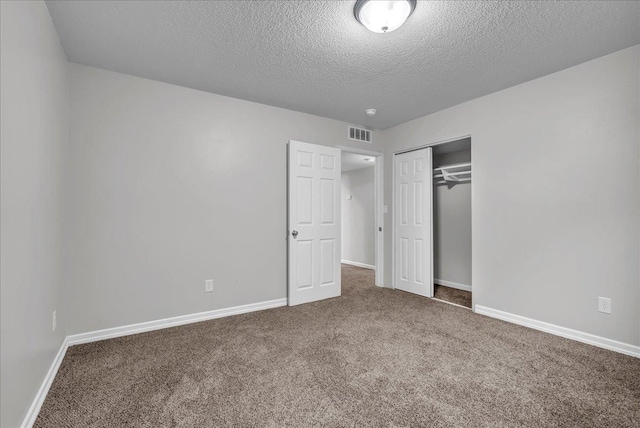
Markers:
432,221
452,222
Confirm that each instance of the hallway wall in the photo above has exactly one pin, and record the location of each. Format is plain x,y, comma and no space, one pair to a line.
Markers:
358,216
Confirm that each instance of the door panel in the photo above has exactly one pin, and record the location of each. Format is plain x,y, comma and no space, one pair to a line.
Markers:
314,223
305,262
305,196
327,258
327,201
413,184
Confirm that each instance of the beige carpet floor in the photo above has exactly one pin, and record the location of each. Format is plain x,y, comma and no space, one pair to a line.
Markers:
453,295
371,358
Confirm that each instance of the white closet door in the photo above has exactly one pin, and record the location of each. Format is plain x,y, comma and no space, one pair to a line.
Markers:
314,222
413,218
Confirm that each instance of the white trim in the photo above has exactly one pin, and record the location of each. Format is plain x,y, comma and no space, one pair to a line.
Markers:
393,221
591,339
38,400
142,327
378,182
358,264
450,284
432,249
109,333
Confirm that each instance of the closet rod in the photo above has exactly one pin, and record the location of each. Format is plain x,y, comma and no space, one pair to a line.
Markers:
460,165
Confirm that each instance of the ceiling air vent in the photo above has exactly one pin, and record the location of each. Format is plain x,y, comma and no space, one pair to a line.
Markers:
359,134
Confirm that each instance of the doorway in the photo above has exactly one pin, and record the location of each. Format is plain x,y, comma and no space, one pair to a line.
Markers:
314,221
363,210
432,239
358,217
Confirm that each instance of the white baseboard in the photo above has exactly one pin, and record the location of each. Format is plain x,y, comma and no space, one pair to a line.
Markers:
34,409
358,264
142,327
591,339
452,284
109,333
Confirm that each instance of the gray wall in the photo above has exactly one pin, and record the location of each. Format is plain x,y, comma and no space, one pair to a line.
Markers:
552,230
452,224
358,216
171,186
34,135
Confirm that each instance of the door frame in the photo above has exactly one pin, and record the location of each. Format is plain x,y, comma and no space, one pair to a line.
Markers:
393,207
378,198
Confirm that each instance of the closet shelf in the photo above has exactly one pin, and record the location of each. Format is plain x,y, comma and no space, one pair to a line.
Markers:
455,174
451,174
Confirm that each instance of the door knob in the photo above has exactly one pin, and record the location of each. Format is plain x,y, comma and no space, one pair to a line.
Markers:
294,233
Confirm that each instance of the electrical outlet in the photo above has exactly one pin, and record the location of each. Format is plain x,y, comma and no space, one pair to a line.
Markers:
208,286
54,322
604,305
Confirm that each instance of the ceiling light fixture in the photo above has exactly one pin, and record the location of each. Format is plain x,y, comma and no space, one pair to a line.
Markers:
370,112
383,16
369,160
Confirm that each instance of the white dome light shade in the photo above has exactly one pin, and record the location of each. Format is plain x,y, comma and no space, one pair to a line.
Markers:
383,16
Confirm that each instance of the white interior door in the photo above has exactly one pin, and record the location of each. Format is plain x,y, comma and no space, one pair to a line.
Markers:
314,222
413,211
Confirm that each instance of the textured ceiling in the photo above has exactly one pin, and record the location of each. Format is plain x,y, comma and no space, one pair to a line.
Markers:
314,57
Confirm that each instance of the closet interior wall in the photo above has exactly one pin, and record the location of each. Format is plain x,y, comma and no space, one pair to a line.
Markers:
452,223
